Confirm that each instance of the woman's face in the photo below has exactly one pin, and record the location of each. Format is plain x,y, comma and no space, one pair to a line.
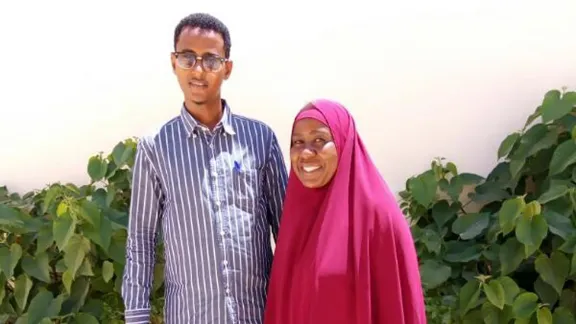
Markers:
313,153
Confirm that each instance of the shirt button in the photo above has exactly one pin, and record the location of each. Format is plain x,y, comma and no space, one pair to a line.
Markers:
214,174
228,291
225,262
222,233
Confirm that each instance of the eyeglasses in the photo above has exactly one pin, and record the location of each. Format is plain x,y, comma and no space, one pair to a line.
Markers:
209,62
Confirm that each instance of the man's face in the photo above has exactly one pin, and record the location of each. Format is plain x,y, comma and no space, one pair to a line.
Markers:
200,79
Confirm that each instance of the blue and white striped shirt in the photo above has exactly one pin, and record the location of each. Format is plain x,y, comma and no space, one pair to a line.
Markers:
215,194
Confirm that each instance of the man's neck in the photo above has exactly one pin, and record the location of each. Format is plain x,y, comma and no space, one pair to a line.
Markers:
208,114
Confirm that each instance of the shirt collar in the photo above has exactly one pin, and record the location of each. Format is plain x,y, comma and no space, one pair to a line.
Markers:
191,124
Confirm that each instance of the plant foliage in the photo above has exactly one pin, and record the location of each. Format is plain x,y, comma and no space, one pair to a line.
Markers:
62,249
502,249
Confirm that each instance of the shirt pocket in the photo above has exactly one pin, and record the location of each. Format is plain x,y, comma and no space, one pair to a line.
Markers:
245,189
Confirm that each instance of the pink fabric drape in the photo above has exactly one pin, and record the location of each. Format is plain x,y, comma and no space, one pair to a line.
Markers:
345,253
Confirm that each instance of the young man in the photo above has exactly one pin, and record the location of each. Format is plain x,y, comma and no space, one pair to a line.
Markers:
214,182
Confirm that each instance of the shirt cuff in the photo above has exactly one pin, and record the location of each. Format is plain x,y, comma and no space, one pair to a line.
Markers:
137,316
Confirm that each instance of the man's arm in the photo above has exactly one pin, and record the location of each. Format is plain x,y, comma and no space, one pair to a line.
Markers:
145,209
276,177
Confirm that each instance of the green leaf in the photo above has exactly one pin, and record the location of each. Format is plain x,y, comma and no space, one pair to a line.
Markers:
469,294
531,231
516,167
424,188
564,156
122,153
63,228
468,226
37,267
51,194
431,239
544,316
462,251
90,212
85,268
97,168
573,265
39,305
492,315
568,298
452,168
509,212
75,253
507,144
554,106
9,259
556,190
525,305
79,291
546,293
101,232
559,224
562,315
495,293
511,255
442,212
45,239
86,318
511,289
62,208
22,288
108,270
537,138
10,217
569,246
554,270
67,280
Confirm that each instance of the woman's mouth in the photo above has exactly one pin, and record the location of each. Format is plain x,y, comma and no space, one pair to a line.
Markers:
310,168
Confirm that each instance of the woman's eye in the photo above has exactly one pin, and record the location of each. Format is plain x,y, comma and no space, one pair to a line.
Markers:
296,142
319,140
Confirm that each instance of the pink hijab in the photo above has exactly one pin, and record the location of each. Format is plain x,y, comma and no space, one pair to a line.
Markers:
345,253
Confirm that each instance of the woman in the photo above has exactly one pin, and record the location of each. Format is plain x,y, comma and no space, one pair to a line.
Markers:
345,253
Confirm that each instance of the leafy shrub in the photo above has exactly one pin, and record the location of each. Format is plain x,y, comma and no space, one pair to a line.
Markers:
501,249
62,248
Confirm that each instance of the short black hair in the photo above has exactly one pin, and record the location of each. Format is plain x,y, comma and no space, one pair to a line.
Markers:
204,21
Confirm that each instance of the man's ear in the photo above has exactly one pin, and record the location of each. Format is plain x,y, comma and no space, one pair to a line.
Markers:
229,65
173,62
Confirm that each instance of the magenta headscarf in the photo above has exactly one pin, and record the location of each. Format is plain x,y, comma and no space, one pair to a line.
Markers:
345,253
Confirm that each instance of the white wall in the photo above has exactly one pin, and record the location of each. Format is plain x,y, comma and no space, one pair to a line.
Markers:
423,78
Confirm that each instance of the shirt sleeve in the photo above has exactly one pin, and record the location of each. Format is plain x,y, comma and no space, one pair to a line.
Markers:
276,177
145,209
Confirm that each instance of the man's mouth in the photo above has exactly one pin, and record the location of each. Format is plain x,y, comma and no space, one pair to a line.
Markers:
198,84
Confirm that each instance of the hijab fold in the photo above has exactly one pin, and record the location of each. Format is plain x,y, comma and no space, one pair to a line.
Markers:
345,253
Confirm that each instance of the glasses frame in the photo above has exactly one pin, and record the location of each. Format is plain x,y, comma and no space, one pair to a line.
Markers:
199,60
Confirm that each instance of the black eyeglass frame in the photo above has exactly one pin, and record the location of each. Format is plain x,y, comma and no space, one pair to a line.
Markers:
200,59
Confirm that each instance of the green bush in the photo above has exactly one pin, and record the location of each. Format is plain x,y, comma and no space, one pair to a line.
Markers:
62,249
501,249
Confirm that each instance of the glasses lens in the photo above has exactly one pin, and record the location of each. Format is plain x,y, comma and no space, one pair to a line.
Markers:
186,60
211,63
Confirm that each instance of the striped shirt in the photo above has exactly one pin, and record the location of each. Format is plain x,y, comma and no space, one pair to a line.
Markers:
214,196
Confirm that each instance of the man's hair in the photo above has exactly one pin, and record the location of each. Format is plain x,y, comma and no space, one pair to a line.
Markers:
204,21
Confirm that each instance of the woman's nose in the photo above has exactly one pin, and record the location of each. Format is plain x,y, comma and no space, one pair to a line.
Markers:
307,153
